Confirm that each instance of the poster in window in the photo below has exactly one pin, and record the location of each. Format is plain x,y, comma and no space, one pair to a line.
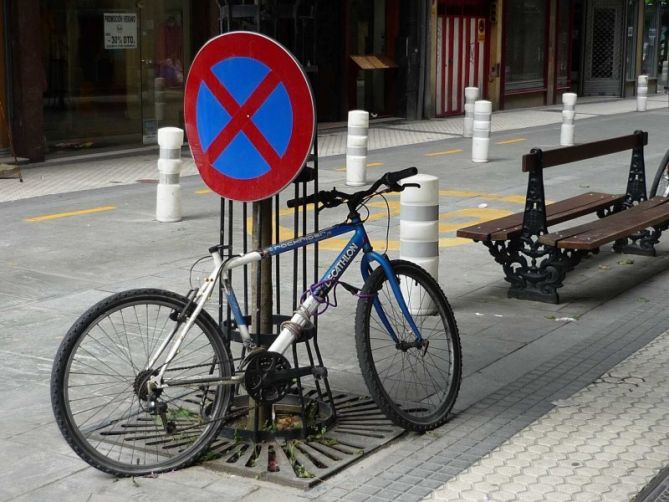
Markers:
120,30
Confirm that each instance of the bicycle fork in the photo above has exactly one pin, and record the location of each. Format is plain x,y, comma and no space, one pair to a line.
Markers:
395,287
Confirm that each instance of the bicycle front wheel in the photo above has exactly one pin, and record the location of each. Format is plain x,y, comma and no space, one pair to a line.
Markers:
415,385
99,385
660,184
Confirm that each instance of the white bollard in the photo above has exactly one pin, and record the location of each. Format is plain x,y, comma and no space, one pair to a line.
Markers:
159,99
419,235
356,148
568,113
665,74
481,133
168,199
642,93
471,95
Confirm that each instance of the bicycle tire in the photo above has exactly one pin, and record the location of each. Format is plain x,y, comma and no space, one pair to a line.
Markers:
414,404
96,385
661,177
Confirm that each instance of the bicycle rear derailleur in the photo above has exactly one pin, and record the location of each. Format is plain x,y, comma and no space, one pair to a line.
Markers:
268,375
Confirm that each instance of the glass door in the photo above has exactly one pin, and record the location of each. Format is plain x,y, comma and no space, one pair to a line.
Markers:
165,48
603,48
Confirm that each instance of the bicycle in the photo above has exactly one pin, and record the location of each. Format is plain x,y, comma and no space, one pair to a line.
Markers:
143,380
660,184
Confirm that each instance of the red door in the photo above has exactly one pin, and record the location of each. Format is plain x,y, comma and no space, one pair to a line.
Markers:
461,60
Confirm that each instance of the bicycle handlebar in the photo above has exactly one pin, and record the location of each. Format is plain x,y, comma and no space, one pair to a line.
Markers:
333,198
391,179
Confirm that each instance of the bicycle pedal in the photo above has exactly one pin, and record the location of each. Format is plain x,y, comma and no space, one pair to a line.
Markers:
319,372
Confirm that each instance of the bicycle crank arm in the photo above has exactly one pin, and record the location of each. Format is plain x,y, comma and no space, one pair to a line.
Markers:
287,375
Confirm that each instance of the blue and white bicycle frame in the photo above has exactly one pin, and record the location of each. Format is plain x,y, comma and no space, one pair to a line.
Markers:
302,316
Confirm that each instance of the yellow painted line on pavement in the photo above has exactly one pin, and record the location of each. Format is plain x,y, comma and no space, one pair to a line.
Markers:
371,164
54,216
446,152
511,141
514,199
203,191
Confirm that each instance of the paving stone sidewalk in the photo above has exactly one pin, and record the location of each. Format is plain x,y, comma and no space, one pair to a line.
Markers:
607,441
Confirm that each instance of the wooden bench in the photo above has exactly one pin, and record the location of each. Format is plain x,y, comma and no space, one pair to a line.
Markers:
535,261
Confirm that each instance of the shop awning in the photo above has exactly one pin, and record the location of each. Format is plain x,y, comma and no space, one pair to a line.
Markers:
373,62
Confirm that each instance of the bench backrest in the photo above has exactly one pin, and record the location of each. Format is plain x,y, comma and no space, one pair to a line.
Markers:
534,216
538,158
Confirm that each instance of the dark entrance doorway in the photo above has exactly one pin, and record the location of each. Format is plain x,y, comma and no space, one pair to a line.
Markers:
462,52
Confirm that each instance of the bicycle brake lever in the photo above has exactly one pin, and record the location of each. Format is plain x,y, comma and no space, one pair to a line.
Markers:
407,185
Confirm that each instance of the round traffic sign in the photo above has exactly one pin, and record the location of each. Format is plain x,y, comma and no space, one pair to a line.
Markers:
249,115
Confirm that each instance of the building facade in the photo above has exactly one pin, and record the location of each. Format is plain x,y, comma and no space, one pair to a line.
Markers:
528,52
90,74
84,75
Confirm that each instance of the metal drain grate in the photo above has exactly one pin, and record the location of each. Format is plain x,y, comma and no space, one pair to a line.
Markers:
360,429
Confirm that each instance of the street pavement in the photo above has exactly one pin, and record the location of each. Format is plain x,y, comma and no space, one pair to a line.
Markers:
558,402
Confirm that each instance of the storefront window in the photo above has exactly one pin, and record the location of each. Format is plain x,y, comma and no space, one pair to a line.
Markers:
630,51
650,40
91,61
113,70
525,44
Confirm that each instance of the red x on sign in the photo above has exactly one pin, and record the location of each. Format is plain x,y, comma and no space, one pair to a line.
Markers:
249,115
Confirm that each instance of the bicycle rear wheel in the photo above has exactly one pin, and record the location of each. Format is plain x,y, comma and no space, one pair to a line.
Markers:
660,184
415,387
99,394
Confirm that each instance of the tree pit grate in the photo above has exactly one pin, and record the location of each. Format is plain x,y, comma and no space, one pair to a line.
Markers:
359,429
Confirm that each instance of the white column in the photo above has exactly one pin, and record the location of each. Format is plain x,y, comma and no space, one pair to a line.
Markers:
568,113
419,235
641,93
471,95
481,133
356,148
168,199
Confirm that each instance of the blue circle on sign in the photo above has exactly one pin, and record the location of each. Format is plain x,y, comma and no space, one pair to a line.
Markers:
274,118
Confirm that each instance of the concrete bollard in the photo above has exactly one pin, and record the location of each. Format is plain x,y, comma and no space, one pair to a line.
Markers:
159,99
419,234
481,132
568,113
471,95
642,93
168,199
356,148
665,74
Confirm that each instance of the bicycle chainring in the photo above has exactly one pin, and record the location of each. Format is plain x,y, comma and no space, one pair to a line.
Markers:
259,371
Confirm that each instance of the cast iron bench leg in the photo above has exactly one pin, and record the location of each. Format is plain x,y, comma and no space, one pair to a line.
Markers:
641,243
534,272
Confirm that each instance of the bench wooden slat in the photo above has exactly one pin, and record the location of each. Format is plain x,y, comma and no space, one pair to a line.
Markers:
594,234
510,226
